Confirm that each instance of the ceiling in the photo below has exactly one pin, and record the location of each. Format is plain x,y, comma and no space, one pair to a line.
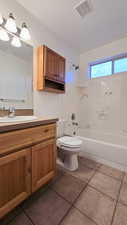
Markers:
106,22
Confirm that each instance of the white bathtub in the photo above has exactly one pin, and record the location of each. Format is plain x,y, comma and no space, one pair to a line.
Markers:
104,147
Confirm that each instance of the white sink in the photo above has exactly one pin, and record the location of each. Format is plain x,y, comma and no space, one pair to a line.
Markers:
17,119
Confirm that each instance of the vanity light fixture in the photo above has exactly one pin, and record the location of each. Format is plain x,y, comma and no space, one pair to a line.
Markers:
10,24
4,35
8,27
16,42
1,19
25,34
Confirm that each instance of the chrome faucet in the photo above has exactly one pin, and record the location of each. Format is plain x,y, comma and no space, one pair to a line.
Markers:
11,112
2,109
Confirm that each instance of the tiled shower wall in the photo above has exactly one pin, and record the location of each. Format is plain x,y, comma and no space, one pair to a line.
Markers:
103,101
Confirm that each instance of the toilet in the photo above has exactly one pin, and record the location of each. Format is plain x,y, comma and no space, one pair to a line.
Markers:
68,146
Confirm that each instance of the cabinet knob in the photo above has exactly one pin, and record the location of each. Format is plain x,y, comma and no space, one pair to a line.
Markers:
46,130
29,170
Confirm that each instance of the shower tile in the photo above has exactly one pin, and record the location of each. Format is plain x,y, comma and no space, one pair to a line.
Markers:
115,173
89,163
69,187
75,217
123,194
106,185
120,215
84,173
96,206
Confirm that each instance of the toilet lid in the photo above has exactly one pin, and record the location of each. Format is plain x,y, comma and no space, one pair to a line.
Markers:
69,141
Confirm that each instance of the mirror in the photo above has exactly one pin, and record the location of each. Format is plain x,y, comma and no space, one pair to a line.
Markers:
16,75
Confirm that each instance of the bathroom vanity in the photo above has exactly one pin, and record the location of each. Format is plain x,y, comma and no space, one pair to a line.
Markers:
27,159
27,148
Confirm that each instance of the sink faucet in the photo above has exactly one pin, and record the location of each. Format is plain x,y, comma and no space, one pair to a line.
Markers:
2,109
11,112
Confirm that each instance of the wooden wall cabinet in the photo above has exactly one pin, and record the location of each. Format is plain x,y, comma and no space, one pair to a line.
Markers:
25,170
49,70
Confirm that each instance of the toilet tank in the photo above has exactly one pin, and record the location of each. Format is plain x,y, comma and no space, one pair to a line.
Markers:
70,129
60,128
66,128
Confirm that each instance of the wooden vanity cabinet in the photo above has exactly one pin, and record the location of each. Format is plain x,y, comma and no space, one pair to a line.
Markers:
15,179
49,70
26,169
43,163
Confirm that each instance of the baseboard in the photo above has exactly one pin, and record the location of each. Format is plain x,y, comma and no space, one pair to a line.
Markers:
103,161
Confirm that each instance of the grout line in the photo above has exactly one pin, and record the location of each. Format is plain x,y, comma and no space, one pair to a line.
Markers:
110,175
87,184
86,216
69,174
61,196
26,214
72,204
113,216
106,195
65,215
86,179
120,202
55,180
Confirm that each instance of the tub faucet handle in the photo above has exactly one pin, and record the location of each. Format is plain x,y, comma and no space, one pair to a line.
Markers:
75,123
11,112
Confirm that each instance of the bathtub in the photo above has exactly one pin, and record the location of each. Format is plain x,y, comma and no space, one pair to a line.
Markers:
107,148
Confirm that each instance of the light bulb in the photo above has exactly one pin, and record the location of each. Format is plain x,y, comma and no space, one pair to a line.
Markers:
16,42
4,35
25,34
1,19
11,24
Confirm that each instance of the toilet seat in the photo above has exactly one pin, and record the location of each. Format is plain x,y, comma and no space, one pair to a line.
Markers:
70,142
70,148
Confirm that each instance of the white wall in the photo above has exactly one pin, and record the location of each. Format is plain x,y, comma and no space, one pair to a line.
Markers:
47,103
98,110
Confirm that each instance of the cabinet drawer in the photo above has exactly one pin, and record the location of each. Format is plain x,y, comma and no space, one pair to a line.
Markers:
14,140
43,132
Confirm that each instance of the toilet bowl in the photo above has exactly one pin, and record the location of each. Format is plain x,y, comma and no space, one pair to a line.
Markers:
70,148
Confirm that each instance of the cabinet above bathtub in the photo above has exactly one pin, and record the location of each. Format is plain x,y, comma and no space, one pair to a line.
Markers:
49,70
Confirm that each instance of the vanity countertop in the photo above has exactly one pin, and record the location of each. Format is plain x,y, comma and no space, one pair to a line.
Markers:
6,127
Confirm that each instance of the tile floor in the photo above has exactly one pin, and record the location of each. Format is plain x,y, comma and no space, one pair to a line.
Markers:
93,195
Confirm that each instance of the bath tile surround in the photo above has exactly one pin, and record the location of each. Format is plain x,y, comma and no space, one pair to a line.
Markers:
76,200
105,105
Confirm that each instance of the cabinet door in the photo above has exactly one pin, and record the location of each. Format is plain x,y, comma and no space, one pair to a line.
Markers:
15,180
61,69
43,163
51,63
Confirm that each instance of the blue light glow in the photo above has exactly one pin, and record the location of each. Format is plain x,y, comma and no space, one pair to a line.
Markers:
69,77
